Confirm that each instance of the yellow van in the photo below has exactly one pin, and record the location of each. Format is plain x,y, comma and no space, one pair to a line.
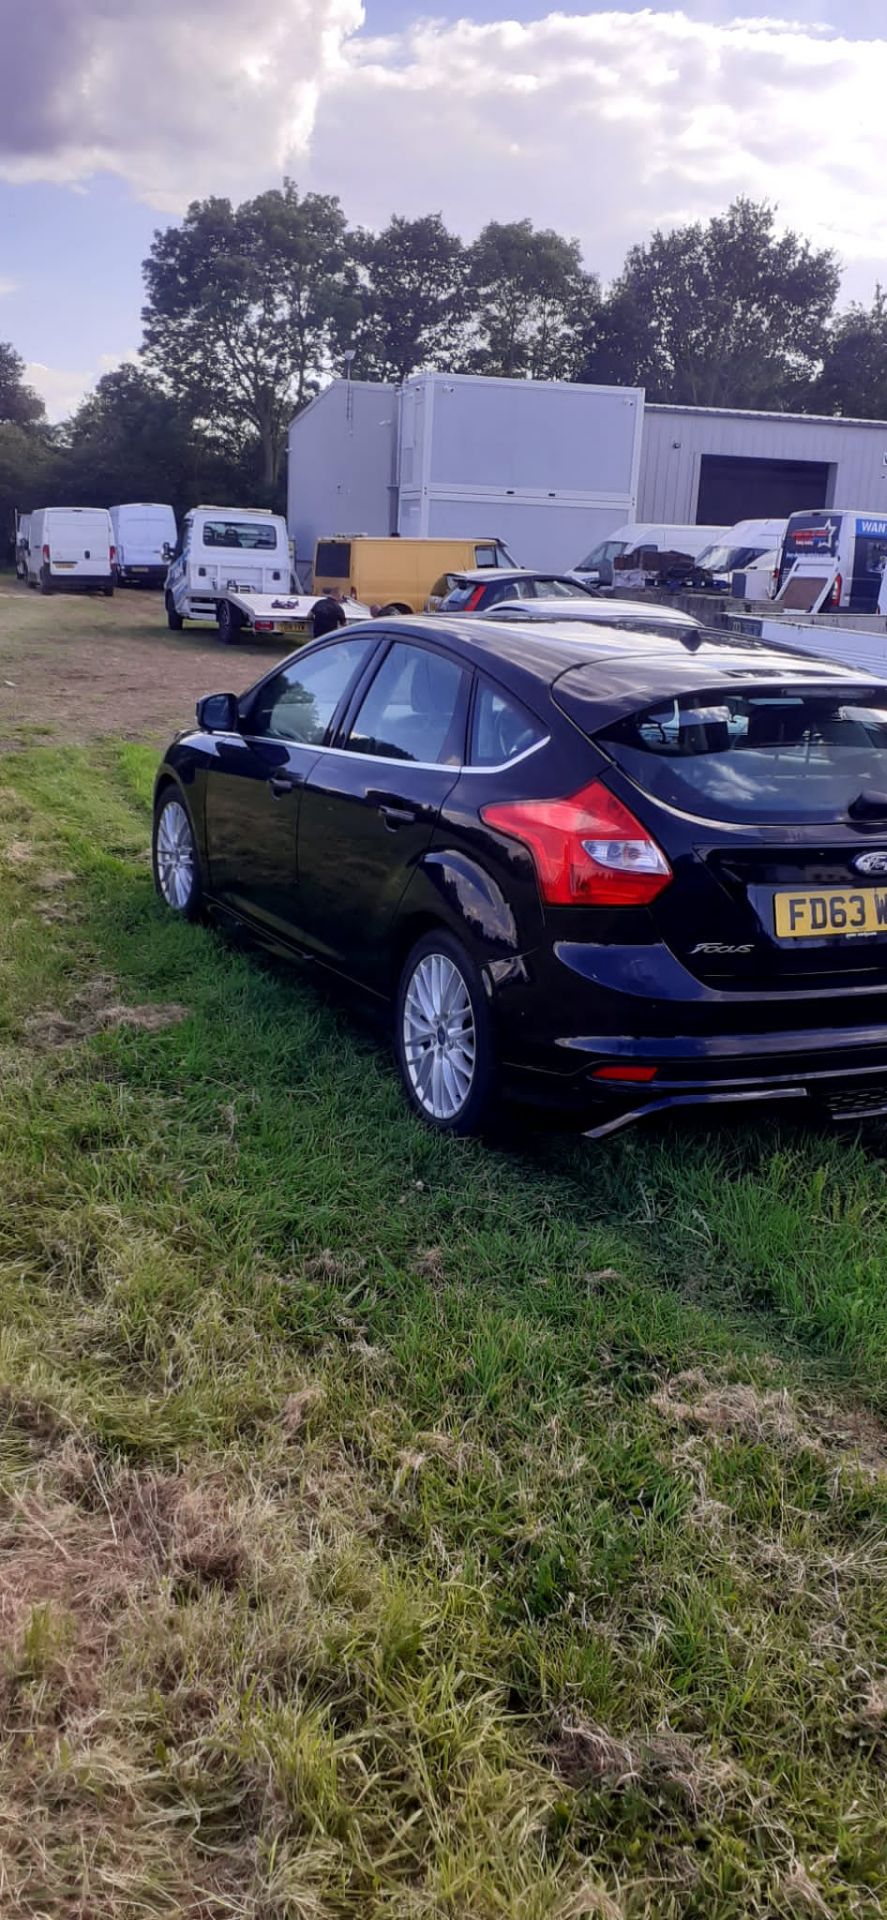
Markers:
395,575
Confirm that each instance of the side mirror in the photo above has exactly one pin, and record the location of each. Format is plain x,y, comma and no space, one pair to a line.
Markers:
218,713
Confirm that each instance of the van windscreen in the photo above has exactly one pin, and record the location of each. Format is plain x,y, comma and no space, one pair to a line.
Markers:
248,535
332,560
759,754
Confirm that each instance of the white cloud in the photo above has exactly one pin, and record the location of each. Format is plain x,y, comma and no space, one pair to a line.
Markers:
212,96
8,285
600,124
604,125
60,388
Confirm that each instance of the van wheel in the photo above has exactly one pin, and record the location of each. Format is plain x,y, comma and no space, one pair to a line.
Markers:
45,582
108,591
230,623
174,619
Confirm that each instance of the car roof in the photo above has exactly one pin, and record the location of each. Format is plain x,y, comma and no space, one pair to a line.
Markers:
602,611
483,575
616,669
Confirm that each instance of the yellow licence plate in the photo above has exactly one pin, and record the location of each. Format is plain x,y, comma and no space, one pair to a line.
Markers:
831,914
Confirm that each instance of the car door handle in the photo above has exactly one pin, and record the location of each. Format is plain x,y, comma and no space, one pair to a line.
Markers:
397,816
281,783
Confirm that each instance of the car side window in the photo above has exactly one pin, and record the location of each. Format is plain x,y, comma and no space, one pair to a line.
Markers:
501,729
414,709
299,703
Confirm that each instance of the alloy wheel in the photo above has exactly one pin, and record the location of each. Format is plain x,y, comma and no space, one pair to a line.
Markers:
439,1037
175,856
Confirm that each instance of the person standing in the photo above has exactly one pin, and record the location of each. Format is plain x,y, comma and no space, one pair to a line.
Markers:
327,614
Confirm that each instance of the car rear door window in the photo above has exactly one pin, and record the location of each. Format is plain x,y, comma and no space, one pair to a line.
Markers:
415,709
501,729
300,701
760,755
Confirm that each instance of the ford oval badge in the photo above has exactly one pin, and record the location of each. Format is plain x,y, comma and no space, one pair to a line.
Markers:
871,862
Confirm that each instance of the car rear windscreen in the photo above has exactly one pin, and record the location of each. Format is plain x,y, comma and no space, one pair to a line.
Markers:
759,755
332,559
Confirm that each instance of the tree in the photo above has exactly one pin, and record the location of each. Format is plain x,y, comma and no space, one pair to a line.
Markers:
245,305
18,402
130,439
412,306
531,302
729,313
853,380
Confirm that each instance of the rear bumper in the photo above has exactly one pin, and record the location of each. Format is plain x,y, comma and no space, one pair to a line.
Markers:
688,1045
142,576
79,582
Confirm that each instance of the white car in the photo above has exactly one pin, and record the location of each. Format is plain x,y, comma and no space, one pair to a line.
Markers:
627,616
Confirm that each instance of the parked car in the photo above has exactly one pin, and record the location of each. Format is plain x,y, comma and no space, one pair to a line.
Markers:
473,592
618,616
598,569
244,548
399,575
145,536
605,872
70,549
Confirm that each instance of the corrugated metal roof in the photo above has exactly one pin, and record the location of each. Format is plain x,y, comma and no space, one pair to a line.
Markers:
752,413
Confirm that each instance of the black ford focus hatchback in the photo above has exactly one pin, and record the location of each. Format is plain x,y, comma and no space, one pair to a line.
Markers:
606,871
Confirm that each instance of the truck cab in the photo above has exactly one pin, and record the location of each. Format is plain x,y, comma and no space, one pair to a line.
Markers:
222,549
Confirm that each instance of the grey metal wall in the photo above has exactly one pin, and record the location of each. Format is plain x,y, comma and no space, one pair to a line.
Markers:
341,464
675,439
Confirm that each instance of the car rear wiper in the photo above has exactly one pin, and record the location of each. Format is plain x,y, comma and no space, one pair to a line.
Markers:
868,806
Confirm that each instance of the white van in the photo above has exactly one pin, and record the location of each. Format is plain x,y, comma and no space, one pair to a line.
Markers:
736,550
71,547
22,535
245,549
145,535
597,569
832,561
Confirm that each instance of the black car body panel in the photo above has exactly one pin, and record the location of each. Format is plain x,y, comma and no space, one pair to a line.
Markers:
350,855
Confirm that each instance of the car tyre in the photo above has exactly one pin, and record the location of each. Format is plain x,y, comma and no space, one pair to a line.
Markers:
108,591
443,1036
175,859
174,619
45,581
230,623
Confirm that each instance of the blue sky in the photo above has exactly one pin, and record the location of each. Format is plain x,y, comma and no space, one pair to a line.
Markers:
602,121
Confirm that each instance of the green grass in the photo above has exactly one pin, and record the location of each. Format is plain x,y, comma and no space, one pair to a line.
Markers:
400,1527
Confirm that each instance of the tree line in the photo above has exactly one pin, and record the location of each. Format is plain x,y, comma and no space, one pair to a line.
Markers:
250,309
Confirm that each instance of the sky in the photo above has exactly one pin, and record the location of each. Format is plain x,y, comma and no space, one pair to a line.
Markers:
602,121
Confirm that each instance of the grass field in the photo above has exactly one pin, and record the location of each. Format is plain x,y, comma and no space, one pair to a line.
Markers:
397,1527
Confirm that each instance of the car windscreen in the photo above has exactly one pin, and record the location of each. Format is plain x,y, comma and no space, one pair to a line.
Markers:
758,754
723,559
247,535
607,550
459,595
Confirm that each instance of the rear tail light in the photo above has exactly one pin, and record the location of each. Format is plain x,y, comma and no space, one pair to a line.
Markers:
263,626
834,599
47,555
475,599
587,851
112,555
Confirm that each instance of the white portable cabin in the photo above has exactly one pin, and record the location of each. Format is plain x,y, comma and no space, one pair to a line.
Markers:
71,547
145,535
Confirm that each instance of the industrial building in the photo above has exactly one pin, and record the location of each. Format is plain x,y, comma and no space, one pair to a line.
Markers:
551,468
